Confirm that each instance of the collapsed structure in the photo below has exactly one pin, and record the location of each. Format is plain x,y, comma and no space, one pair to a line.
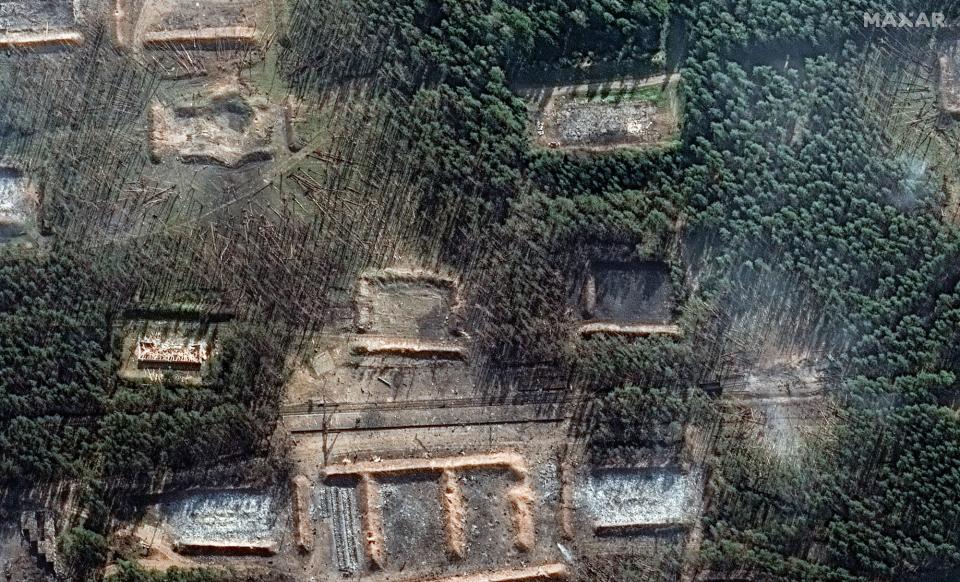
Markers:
182,349
625,500
167,354
450,497
227,522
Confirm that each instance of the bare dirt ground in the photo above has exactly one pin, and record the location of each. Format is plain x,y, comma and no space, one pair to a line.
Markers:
408,309
542,443
343,406
183,39
413,531
154,549
412,525
188,14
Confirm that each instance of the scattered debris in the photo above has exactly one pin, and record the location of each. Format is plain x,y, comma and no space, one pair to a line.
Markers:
164,353
624,500
637,113
40,531
179,349
383,483
341,504
223,522
19,206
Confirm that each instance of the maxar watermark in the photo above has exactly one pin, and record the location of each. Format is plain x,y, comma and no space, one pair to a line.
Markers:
904,19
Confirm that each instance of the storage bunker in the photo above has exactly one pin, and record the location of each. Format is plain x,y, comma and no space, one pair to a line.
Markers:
177,353
38,23
190,25
184,349
225,127
636,113
424,514
629,298
244,522
337,504
638,500
19,205
408,313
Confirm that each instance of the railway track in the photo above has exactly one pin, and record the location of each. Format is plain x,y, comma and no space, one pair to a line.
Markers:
437,413
316,406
